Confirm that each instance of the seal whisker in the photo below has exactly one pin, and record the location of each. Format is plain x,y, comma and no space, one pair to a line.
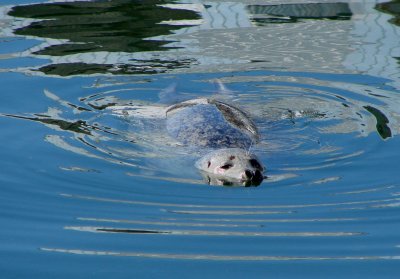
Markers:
250,146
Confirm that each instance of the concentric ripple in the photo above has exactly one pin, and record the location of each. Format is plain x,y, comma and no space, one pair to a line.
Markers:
327,142
308,124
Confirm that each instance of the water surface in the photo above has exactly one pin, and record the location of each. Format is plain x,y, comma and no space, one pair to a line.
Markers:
88,191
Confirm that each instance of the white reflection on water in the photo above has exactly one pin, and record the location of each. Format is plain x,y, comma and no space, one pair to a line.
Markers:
218,257
228,38
216,212
211,233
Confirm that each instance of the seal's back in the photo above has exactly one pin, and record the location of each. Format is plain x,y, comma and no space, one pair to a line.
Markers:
210,123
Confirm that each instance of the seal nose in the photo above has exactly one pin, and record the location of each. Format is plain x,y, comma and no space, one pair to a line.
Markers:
248,174
258,175
254,176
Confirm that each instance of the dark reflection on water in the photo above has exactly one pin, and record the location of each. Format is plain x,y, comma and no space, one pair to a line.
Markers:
287,13
136,26
112,26
79,126
392,8
381,122
145,67
119,25
154,36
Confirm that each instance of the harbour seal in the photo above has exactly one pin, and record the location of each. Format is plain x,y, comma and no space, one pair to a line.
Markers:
226,132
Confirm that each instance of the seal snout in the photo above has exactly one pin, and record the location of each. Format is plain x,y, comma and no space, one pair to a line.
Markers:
248,174
253,175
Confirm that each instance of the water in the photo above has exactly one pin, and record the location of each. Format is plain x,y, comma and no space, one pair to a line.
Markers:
90,192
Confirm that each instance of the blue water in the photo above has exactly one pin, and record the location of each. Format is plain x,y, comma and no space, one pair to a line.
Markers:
88,192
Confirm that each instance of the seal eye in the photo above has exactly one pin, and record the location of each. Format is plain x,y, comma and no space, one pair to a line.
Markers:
255,164
226,166
209,164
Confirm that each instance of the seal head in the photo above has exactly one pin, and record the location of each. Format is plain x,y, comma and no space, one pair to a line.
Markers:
231,166
212,124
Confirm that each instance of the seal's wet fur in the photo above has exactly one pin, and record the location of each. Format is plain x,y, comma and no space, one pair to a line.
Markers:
227,130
